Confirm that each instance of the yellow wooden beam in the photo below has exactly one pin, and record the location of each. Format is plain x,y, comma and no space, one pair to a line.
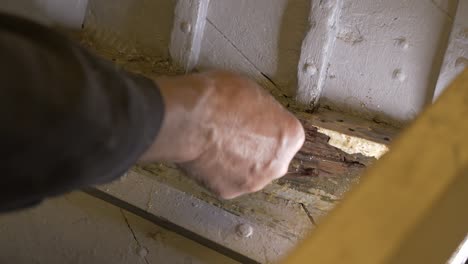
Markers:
412,206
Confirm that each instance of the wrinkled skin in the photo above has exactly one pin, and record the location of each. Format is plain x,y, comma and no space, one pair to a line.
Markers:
225,131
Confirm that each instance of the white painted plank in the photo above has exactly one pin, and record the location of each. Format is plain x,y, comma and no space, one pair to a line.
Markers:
449,7
266,33
456,55
267,243
78,228
219,53
187,32
316,50
386,58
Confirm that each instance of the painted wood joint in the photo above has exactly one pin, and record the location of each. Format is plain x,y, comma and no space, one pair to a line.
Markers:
187,32
456,55
313,62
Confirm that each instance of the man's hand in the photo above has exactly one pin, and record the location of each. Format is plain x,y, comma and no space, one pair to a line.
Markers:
225,131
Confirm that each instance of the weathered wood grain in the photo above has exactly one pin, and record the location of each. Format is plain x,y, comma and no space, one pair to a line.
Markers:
318,166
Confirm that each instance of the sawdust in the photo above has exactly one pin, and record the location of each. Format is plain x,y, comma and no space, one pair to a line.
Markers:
132,60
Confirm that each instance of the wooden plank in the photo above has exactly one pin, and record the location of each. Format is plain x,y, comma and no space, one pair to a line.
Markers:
321,169
216,48
350,133
337,150
411,207
78,228
314,62
266,33
206,222
456,55
386,58
187,32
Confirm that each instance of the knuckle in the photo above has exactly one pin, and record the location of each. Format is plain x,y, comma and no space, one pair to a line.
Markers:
296,133
281,171
298,129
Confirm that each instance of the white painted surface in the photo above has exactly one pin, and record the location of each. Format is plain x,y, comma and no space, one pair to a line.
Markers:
267,34
316,51
383,62
387,57
456,56
218,52
77,228
68,13
267,242
129,25
461,254
65,13
187,33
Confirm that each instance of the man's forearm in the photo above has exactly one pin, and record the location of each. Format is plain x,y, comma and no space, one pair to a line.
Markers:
67,118
70,119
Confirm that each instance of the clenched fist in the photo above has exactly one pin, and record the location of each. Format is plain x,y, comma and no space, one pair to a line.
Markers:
225,131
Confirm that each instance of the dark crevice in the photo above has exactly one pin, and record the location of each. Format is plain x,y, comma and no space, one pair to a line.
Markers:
241,53
442,10
309,215
131,231
269,79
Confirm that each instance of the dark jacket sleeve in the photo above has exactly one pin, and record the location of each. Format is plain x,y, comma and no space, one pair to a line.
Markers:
67,118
